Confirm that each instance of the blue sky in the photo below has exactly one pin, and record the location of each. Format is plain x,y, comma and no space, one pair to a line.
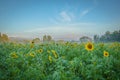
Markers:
63,19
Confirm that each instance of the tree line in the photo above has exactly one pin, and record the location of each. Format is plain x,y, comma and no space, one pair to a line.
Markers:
46,38
108,37
3,38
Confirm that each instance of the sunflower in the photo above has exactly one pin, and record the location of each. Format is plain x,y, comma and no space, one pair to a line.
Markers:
89,46
50,58
32,42
14,55
106,54
66,43
32,55
54,53
40,50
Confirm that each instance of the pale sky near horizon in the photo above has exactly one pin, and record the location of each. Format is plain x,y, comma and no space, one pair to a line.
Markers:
62,19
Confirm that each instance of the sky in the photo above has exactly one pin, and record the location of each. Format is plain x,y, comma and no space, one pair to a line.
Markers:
62,19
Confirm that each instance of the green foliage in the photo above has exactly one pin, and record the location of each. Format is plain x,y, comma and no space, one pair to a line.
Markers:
74,62
108,37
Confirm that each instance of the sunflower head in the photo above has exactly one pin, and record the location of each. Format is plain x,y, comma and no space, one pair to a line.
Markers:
106,54
50,58
40,50
32,55
32,42
14,55
54,53
89,46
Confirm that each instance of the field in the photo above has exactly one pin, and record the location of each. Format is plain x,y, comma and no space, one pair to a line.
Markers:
60,61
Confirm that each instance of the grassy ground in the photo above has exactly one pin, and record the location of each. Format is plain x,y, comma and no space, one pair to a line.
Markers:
60,61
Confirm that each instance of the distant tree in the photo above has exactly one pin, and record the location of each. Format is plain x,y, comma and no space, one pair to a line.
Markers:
102,38
0,37
109,36
116,36
26,41
60,41
107,33
119,31
96,38
36,40
5,37
85,39
44,38
49,38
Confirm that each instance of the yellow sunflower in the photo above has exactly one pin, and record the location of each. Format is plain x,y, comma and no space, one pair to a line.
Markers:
14,55
32,42
89,46
40,50
50,58
106,54
32,55
54,53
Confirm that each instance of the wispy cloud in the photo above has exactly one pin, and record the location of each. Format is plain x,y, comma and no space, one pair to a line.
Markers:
88,10
85,12
65,16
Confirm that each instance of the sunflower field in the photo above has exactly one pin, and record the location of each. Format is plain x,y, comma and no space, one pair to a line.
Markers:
60,61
